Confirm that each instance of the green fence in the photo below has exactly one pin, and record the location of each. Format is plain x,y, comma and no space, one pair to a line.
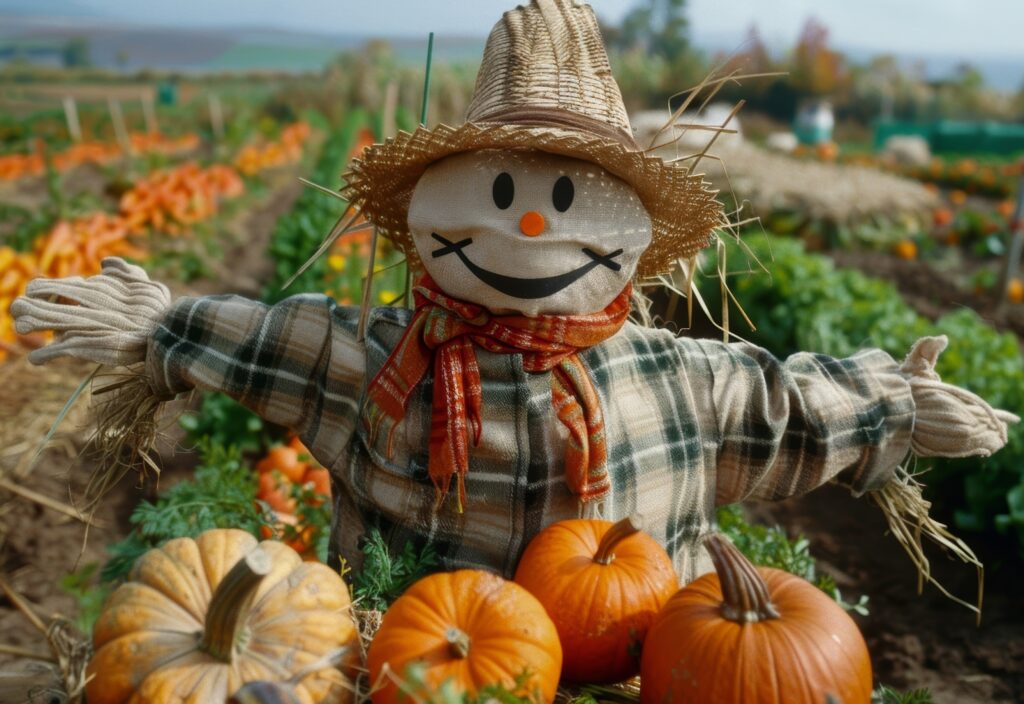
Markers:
948,136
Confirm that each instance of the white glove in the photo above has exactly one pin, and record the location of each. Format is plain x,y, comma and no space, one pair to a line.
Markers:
116,312
949,421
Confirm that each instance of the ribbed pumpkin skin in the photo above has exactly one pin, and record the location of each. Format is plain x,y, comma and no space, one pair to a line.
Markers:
814,649
146,638
508,629
602,612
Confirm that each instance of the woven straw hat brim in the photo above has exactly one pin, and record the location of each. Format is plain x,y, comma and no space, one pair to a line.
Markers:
684,211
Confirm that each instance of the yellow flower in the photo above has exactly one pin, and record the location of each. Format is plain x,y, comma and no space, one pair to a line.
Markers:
336,262
387,297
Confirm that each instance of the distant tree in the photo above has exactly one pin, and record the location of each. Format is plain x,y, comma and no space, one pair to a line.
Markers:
658,26
752,58
76,53
816,70
121,58
968,89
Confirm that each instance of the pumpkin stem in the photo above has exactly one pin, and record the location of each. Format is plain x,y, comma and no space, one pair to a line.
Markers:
745,597
615,535
230,604
458,642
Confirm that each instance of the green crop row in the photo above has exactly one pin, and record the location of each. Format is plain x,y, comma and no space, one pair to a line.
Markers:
299,233
806,303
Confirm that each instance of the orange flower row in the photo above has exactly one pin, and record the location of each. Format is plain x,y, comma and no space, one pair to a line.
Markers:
70,248
254,158
337,259
173,199
15,166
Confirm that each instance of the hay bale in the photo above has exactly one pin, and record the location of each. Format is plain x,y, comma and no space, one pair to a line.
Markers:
908,150
691,131
837,193
785,142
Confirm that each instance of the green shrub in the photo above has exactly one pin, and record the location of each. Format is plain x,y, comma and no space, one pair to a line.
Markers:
805,303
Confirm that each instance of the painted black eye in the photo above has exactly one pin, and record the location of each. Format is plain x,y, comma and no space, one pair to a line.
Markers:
563,194
503,190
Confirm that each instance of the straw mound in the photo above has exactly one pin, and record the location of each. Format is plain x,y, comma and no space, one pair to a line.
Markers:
770,181
31,398
835,192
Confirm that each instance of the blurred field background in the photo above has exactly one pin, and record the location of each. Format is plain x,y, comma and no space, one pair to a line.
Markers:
874,169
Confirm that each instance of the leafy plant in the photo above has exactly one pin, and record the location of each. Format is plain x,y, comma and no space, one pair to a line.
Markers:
222,494
81,584
886,695
224,422
414,686
384,576
298,234
769,546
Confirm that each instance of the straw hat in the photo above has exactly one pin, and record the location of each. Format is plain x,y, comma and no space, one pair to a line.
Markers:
544,84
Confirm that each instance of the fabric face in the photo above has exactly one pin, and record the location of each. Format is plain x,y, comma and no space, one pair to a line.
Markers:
470,215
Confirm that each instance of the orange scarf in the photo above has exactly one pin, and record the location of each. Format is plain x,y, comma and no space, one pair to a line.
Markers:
444,331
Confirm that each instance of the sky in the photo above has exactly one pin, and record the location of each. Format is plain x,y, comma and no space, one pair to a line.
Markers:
963,27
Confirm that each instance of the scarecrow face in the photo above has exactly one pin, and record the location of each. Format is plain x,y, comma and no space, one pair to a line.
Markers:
528,232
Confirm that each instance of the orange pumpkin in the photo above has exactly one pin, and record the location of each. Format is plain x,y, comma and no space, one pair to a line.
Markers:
319,480
284,459
602,583
199,618
942,217
471,628
753,635
906,249
1015,291
276,490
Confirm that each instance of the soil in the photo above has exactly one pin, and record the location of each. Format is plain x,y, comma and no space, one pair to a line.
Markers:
915,640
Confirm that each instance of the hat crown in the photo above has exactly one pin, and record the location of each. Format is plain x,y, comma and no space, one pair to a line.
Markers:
545,63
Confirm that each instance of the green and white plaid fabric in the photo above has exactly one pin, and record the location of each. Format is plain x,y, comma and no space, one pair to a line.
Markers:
691,424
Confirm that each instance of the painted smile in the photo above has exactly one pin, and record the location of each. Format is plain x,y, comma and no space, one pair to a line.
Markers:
525,288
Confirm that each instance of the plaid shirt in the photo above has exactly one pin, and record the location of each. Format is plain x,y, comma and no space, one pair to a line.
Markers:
691,424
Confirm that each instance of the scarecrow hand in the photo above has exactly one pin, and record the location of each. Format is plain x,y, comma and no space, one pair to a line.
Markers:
949,421
106,318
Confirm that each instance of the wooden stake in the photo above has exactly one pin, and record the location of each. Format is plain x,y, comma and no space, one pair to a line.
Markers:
120,130
149,113
216,117
71,116
1016,248
388,127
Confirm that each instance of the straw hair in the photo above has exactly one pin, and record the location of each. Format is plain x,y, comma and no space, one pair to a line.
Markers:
544,84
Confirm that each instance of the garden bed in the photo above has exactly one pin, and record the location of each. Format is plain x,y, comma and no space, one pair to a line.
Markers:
932,292
916,640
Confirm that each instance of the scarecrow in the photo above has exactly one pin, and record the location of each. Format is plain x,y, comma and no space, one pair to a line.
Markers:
518,392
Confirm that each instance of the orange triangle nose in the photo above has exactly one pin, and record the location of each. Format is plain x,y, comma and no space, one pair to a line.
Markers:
531,224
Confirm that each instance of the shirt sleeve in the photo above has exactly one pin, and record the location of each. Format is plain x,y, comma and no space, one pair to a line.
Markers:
296,364
786,427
